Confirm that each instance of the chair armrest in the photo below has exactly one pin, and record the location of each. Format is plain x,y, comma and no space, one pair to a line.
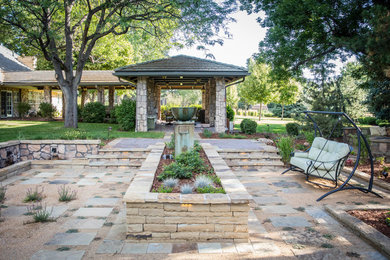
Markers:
301,154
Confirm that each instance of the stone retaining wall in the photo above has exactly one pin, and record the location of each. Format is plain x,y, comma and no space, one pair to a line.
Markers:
163,217
16,151
14,169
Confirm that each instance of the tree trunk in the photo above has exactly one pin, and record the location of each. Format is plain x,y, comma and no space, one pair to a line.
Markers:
282,111
260,111
70,94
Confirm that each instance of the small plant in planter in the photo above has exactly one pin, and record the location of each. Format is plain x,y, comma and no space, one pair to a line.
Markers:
203,181
66,194
40,213
36,195
186,189
170,183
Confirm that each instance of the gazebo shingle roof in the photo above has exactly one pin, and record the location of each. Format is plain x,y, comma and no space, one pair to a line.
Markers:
181,65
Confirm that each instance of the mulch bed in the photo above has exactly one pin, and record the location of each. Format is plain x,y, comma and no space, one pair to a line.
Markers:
156,183
373,217
253,136
366,168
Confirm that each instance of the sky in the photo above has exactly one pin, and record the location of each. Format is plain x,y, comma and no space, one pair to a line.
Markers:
246,35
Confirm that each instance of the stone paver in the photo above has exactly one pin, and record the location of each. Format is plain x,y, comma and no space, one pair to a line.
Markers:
72,239
93,212
159,248
266,249
45,175
58,255
95,175
56,211
268,200
58,181
134,248
33,181
135,142
87,223
110,247
209,248
283,209
14,211
244,248
289,222
244,144
101,201
228,248
87,182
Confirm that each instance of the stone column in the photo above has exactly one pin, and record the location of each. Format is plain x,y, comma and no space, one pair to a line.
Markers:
100,90
83,97
47,95
220,106
158,101
207,103
212,100
141,123
151,98
111,93
203,99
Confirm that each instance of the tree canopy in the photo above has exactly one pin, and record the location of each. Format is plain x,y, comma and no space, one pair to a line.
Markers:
306,33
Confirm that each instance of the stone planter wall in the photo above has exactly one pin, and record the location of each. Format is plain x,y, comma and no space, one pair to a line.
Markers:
16,151
163,217
380,147
14,169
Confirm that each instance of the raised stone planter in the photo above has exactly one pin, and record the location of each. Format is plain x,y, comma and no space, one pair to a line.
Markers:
163,217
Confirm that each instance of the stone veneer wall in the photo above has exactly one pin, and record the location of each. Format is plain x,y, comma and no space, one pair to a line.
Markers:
220,106
44,150
142,111
380,147
163,217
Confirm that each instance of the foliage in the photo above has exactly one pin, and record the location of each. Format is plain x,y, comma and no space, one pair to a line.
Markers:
378,98
40,213
2,193
170,183
230,113
289,110
171,143
286,147
186,189
192,160
207,133
47,110
66,194
33,195
292,129
248,126
74,134
125,114
309,136
176,171
23,108
303,34
367,120
364,155
163,189
94,112
387,221
181,97
232,97
203,181
210,189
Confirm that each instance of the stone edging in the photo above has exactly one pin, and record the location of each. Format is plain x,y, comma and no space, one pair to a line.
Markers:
374,237
139,189
365,177
14,169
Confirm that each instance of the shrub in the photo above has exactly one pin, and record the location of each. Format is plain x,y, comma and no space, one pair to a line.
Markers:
170,183
94,112
163,189
112,119
368,120
203,181
210,189
292,129
35,195
66,194
192,160
46,110
207,133
186,189
23,108
286,147
309,136
125,114
175,170
248,126
230,113
382,122
171,143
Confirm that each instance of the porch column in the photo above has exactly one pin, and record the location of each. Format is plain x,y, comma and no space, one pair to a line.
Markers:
212,99
203,99
220,106
100,94
47,95
151,98
83,97
207,103
111,93
141,123
158,101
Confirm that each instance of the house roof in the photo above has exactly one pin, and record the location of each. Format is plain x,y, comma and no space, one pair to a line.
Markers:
47,78
9,61
187,70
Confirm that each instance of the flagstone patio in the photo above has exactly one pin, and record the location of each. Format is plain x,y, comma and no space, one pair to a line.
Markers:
285,221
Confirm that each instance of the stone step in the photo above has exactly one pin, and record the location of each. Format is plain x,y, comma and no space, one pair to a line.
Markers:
254,156
266,149
114,164
122,150
255,163
272,168
118,156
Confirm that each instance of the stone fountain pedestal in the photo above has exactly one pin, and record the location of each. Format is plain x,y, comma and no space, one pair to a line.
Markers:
184,136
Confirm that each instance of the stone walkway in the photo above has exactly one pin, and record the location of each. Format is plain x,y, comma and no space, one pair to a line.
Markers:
285,220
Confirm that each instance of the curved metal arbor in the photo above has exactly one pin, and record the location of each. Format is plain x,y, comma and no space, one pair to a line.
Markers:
360,136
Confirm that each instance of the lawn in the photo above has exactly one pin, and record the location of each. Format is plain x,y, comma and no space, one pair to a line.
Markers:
267,124
37,130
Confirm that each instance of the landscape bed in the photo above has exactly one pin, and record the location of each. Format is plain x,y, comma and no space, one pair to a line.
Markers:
164,217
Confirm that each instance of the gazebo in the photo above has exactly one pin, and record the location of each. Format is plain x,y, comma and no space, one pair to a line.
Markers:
182,72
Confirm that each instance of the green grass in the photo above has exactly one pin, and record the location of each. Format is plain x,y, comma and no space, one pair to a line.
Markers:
263,128
37,130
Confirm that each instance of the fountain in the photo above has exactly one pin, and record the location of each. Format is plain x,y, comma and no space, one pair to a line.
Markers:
184,128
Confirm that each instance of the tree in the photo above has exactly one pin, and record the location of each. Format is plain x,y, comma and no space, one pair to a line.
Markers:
258,87
303,33
232,97
63,30
288,92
